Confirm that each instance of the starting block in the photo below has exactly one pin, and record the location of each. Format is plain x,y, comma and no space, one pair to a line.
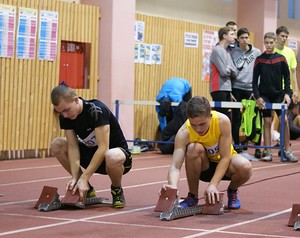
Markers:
49,200
168,205
295,217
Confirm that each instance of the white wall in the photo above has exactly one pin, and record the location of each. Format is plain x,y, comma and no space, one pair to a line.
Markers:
292,25
211,12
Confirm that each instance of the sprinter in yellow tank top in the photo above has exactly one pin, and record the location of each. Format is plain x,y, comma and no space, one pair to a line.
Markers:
204,142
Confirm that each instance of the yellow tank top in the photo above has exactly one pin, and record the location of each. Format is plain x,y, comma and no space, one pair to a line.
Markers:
210,140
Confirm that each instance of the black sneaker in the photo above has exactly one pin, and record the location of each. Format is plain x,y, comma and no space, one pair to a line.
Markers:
239,150
118,197
257,154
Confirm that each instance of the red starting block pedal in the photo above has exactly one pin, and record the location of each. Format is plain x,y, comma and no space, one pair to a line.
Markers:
295,215
166,200
73,200
168,205
48,200
214,209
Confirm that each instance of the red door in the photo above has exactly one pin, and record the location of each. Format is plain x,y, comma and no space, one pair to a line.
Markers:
72,64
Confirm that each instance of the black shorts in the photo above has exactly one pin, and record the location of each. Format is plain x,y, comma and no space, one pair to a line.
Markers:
87,153
294,135
268,112
207,175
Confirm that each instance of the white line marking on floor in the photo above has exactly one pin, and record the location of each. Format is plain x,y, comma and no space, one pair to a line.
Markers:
240,223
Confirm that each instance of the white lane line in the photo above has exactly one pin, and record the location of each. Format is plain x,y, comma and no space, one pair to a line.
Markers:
68,220
58,165
202,231
65,177
35,228
28,168
239,224
192,229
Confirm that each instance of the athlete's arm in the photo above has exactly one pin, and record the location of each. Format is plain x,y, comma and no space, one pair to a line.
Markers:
181,142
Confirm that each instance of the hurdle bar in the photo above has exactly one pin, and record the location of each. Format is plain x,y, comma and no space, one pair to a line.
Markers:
218,104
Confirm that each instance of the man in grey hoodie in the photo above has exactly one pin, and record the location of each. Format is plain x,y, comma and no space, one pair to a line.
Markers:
222,69
243,57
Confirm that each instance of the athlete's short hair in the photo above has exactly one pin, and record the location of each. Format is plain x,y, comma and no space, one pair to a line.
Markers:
62,92
223,31
198,106
282,29
270,35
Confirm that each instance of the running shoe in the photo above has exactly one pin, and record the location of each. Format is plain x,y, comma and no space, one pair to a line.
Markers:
233,201
266,156
290,157
257,154
189,201
91,193
118,197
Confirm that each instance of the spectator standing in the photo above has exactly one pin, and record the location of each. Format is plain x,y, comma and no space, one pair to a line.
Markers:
270,67
282,35
233,27
222,69
243,57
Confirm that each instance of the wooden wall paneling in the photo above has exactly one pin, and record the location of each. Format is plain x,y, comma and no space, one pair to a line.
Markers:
32,100
95,38
2,103
51,66
5,95
6,115
24,105
18,104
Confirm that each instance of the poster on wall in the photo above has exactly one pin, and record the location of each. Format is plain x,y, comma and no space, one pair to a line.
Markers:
139,52
292,44
209,40
156,53
148,54
191,40
142,53
48,35
7,30
26,33
139,31
136,52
